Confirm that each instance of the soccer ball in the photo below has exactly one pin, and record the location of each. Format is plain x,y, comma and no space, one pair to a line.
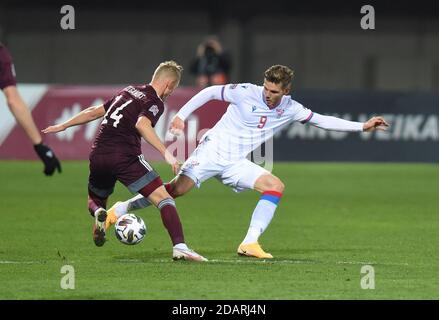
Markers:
130,229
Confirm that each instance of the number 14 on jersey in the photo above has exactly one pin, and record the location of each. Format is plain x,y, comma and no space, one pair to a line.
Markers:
115,114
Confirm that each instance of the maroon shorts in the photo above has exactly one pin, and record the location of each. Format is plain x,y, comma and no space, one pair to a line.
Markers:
7,71
132,171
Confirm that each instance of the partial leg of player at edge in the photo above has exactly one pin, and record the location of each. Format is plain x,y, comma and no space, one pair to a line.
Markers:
267,184
161,199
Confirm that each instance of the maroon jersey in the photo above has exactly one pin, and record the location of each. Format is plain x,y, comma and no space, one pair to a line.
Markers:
7,71
118,131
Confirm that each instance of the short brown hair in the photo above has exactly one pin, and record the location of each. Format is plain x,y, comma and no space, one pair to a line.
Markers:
168,68
279,74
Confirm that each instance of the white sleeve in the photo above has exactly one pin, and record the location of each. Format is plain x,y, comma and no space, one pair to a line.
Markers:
235,93
333,123
301,113
202,97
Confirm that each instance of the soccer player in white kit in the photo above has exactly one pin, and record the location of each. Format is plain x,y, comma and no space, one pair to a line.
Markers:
254,115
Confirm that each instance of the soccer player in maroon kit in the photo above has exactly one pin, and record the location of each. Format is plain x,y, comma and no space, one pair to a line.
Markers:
116,153
20,111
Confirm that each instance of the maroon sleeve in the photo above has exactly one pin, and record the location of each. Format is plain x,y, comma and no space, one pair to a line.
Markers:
7,71
152,110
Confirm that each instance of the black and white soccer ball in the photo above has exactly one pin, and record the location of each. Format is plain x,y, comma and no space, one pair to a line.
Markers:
130,229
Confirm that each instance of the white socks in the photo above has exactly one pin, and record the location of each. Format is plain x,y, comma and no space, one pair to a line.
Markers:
262,216
137,202
121,208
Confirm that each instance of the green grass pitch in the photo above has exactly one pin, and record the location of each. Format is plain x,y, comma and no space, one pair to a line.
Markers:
334,218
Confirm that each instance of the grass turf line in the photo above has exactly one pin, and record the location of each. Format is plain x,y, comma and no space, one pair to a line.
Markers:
332,219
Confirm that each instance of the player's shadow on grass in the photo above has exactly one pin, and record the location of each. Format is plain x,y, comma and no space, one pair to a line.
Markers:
311,250
144,256
308,255
293,256
154,255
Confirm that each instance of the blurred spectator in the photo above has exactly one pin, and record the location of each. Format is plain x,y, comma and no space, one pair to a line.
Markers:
212,64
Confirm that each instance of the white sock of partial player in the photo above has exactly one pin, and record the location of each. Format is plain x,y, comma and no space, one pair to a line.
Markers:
135,203
121,208
262,216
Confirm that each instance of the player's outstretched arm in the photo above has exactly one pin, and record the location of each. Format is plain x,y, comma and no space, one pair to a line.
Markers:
201,98
87,115
375,123
148,133
338,124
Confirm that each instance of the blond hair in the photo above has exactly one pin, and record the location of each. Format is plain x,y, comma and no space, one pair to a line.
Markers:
279,74
168,69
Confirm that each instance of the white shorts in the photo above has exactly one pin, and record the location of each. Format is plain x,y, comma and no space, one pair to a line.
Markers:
205,163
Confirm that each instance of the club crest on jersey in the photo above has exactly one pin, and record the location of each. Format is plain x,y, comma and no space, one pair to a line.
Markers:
154,109
280,112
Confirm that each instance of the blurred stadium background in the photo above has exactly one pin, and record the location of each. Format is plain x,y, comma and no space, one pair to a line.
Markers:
380,214
340,68
118,43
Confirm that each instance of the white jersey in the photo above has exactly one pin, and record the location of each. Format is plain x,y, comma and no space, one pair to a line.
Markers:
248,121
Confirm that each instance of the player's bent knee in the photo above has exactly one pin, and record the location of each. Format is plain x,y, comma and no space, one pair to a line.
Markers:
158,195
273,183
178,191
278,186
172,190
181,186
